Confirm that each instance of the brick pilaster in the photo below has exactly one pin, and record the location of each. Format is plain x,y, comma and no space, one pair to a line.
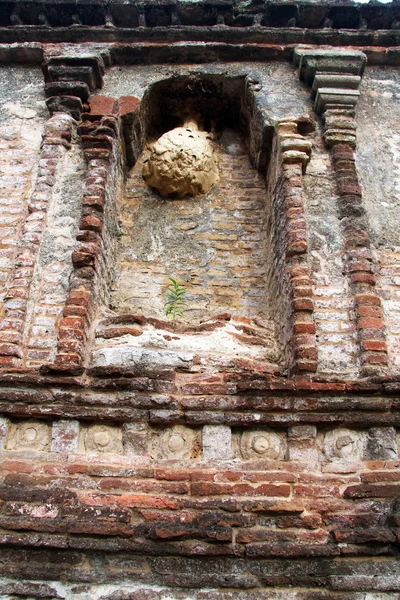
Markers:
335,77
293,154
98,139
103,134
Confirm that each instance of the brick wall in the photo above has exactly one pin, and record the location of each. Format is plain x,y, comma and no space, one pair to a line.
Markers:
245,451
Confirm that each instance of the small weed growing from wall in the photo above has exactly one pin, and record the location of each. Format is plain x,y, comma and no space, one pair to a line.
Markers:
175,300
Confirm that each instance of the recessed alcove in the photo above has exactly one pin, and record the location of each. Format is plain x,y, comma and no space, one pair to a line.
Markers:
220,245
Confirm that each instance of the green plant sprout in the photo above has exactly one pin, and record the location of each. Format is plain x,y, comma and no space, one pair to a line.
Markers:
175,300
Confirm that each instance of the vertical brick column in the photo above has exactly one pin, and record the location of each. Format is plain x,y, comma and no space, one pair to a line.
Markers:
105,135
98,139
293,154
359,262
55,142
69,83
335,77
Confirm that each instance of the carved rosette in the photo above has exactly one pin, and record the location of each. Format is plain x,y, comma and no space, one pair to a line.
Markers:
176,442
262,443
103,439
343,444
29,435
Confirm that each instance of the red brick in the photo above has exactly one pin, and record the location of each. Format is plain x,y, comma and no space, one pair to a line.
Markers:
144,485
83,258
296,247
300,271
373,491
79,297
10,350
303,304
380,476
73,322
352,189
97,154
304,340
306,352
316,491
67,333
342,152
67,361
280,536
91,222
102,105
374,345
374,358
302,291
370,299
304,328
130,500
306,365
96,202
362,277
8,361
216,489
365,310
356,266
370,323
75,311
70,346
128,105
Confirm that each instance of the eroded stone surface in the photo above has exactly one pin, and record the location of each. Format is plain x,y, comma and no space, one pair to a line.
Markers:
4,423
381,444
217,442
135,438
162,344
65,436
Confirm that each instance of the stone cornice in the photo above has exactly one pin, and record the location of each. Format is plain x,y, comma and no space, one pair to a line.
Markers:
302,21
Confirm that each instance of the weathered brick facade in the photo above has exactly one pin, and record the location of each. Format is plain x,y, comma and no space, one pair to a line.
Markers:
249,450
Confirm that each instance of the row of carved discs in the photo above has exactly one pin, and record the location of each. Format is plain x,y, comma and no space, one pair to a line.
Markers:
178,442
182,442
